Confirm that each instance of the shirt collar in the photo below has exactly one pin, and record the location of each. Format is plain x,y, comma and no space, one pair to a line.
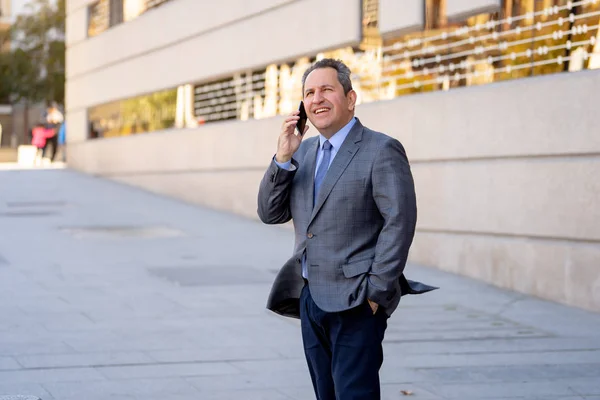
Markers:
338,138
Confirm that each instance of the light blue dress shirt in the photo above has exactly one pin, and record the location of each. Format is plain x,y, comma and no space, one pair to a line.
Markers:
336,142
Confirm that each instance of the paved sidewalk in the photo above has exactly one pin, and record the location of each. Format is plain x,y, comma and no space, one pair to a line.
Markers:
109,292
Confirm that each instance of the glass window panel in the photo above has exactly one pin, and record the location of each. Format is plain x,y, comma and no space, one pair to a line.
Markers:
98,17
133,8
140,114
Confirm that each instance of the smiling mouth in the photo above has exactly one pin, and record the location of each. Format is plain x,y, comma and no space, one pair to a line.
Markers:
320,110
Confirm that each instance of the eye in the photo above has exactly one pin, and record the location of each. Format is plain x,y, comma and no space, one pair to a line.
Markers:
308,93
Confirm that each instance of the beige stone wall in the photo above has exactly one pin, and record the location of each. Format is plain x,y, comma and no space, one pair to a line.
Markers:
506,175
397,17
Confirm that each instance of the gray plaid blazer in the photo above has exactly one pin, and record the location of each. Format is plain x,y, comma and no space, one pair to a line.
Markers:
357,235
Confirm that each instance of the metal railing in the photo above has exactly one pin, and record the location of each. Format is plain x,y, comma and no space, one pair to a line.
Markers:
492,50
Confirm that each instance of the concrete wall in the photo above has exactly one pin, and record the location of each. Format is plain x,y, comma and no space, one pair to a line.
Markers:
397,17
506,175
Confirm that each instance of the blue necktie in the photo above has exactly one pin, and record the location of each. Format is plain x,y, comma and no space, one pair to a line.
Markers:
322,169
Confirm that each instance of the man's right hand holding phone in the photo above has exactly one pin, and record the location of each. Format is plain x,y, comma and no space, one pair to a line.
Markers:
289,142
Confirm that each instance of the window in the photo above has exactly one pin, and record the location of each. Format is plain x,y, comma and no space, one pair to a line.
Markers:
435,14
140,114
108,13
115,11
133,9
98,17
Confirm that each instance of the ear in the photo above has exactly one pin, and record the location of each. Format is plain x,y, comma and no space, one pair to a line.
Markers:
351,97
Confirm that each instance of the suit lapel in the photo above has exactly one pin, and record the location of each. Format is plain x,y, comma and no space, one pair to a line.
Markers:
338,166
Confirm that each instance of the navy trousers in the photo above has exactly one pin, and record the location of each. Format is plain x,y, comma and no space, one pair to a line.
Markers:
343,350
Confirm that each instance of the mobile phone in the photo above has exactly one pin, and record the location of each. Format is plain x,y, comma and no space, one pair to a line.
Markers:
302,121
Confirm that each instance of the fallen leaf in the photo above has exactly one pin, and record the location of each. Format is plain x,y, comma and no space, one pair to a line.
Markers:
407,392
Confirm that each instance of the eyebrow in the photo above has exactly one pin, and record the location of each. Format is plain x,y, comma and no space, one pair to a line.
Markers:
322,86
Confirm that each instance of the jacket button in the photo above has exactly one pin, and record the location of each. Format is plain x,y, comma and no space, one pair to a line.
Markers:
310,235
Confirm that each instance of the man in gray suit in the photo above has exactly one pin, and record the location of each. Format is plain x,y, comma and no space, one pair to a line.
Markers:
351,196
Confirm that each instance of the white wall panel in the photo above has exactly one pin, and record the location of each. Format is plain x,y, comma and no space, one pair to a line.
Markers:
77,126
76,26
400,16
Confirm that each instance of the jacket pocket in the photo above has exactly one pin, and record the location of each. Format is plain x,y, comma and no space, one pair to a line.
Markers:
357,268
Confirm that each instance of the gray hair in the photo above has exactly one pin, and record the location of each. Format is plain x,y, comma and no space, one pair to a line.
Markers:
343,72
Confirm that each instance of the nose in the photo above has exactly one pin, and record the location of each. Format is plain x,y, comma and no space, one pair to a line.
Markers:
317,98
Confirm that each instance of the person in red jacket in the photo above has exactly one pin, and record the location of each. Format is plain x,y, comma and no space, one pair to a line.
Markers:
39,138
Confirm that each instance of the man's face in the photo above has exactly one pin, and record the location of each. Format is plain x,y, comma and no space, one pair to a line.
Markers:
327,107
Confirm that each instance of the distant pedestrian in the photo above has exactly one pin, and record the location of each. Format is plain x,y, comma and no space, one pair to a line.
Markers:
39,138
53,119
62,141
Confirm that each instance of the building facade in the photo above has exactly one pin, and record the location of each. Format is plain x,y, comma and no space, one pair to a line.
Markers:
5,16
492,99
